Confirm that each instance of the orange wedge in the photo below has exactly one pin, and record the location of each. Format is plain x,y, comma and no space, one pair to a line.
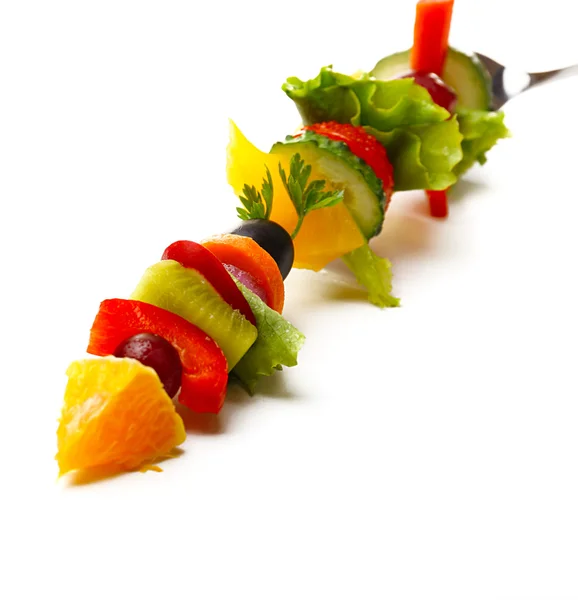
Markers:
115,414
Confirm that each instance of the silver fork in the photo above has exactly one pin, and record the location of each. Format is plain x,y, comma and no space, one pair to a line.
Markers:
507,83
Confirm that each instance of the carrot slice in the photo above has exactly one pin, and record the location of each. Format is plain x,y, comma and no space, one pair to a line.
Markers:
246,255
430,46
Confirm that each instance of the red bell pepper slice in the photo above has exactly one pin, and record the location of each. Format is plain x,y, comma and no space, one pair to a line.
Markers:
430,35
205,371
195,256
438,203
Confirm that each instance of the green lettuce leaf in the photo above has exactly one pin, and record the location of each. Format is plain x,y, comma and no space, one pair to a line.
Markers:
423,143
373,273
423,156
361,100
481,130
327,97
277,344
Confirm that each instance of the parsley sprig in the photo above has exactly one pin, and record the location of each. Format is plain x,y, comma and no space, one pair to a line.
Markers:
258,205
305,196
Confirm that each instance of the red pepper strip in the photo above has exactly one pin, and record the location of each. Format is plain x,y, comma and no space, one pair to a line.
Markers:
430,35
205,372
430,46
438,203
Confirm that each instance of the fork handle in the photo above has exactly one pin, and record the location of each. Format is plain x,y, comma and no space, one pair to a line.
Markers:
538,78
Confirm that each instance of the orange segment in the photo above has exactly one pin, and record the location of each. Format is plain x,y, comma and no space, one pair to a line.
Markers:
325,235
115,414
245,254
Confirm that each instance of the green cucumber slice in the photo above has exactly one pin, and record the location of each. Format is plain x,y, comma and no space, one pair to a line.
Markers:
363,192
464,73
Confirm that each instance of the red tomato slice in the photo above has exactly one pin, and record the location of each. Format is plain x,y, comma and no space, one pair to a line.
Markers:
363,145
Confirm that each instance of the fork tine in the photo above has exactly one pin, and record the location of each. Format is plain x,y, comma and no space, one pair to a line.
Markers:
490,64
496,71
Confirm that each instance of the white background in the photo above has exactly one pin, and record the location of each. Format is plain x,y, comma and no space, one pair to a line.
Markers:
424,452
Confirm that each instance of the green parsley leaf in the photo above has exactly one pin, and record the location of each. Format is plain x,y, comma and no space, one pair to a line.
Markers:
267,193
306,198
257,205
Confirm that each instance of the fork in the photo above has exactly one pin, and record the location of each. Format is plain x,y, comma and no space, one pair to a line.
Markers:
507,83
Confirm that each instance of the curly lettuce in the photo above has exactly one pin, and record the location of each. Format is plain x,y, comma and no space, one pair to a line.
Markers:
362,100
373,273
423,156
277,344
481,130
423,143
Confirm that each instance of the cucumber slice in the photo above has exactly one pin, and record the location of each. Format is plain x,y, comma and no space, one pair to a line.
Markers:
464,73
335,163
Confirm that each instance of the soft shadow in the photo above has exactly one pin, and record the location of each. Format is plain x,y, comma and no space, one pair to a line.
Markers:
200,423
276,386
464,188
237,394
335,282
407,233
349,292
93,475
416,204
96,474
